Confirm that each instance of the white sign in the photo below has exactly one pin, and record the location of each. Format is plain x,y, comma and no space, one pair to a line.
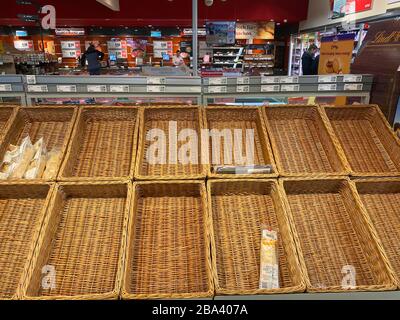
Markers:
97,88
49,20
326,79
71,53
31,79
243,80
154,80
23,45
290,87
352,78
70,31
37,88
69,45
119,88
243,89
353,87
66,88
289,79
270,79
155,88
5,87
327,87
217,81
217,89
270,88
189,32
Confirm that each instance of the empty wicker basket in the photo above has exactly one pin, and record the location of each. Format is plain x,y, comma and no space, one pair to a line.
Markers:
338,249
239,209
53,124
83,240
166,150
370,145
381,199
168,250
6,115
103,145
22,209
233,121
302,143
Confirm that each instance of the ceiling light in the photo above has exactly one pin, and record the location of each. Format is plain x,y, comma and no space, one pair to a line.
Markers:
208,3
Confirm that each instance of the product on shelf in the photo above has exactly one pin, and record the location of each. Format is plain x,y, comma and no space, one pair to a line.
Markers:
269,267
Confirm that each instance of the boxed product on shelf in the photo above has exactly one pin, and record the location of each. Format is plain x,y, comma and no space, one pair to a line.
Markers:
240,209
82,243
168,247
241,139
6,115
170,144
22,209
369,144
302,142
32,130
381,199
103,145
338,250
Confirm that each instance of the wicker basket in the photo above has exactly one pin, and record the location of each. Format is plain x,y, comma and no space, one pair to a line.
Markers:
6,117
22,209
381,199
53,124
160,118
239,208
370,145
168,251
83,238
103,145
333,236
238,118
302,143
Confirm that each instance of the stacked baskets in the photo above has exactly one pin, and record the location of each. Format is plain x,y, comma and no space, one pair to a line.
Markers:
116,223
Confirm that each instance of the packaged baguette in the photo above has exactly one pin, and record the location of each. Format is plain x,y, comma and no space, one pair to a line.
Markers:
269,266
38,163
27,151
53,161
11,154
6,169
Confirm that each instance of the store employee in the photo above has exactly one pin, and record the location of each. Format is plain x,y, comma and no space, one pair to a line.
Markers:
93,58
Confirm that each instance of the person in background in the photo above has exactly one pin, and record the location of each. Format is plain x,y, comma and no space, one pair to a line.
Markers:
93,58
177,59
315,65
307,60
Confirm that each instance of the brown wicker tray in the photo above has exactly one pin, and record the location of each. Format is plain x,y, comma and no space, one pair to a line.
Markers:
370,145
84,238
239,209
53,124
302,143
381,199
186,117
22,209
332,232
168,250
243,118
6,117
103,145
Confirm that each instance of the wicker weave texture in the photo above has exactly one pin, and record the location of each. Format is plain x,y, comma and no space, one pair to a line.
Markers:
22,208
332,233
103,145
168,242
367,140
53,124
160,118
6,114
239,209
83,238
243,119
381,198
302,143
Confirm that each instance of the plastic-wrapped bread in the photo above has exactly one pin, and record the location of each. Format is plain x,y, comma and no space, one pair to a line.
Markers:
6,169
23,162
52,164
38,163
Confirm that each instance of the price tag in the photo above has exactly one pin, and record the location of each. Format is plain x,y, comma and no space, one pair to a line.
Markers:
119,88
270,80
97,88
217,81
31,79
353,87
292,87
217,89
5,87
195,89
289,79
243,89
66,88
270,88
155,88
154,80
243,80
327,79
352,78
38,88
327,87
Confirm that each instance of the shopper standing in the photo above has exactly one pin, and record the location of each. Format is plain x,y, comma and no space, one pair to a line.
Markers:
177,59
93,58
307,60
315,65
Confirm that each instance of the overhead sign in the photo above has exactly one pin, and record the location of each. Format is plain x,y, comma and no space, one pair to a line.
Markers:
70,31
23,45
342,8
255,30
189,32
